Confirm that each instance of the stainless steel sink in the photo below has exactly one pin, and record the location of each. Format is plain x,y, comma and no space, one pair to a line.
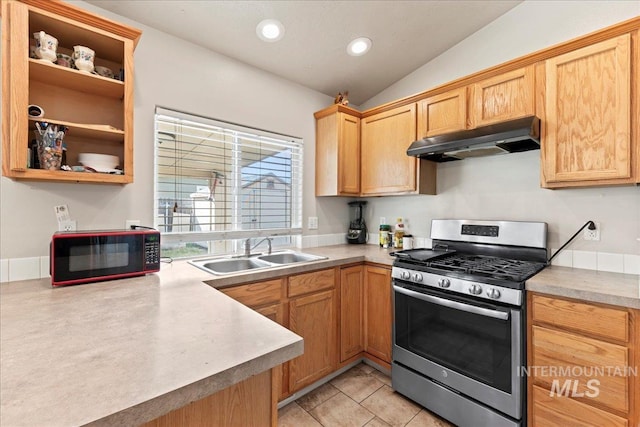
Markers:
290,257
229,264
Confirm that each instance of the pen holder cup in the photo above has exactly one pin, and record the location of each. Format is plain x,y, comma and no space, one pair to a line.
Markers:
49,149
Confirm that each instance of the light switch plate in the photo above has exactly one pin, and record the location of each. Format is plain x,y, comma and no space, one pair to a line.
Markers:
313,223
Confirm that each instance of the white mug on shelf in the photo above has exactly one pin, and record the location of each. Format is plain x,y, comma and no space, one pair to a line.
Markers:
83,58
46,46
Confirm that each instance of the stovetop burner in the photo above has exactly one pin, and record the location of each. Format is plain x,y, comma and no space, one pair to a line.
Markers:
488,266
470,265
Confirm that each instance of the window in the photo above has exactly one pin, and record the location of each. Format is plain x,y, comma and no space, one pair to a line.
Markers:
219,183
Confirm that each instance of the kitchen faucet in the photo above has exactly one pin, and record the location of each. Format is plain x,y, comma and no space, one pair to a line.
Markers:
248,247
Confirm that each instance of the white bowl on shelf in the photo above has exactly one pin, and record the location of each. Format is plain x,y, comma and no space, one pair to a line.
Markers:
99,161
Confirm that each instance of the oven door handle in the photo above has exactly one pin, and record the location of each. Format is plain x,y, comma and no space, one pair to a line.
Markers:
501,315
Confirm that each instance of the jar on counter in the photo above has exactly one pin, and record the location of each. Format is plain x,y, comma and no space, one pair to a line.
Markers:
385,235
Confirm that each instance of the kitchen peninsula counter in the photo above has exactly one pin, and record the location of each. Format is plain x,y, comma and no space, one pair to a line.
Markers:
126,351
588,285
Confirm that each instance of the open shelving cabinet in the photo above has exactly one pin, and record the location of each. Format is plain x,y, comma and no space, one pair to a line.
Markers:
97,110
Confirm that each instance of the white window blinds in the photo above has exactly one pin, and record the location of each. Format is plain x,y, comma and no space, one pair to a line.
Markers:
217,180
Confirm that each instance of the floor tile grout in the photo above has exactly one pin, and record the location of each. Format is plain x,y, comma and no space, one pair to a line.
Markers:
355,381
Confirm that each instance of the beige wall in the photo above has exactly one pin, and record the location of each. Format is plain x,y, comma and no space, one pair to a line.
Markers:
507,187
174,74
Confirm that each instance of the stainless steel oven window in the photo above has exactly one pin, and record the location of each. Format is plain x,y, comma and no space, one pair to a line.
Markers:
445,343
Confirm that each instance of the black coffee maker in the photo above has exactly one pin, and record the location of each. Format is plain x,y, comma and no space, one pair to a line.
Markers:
357,232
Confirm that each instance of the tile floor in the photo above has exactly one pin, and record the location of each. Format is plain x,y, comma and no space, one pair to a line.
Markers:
362,396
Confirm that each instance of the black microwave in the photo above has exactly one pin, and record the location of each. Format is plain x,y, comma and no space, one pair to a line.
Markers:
91,256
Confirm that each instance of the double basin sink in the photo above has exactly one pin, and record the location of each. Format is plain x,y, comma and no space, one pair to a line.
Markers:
237,264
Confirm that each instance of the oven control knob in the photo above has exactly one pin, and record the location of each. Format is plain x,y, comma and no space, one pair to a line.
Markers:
405,275
493,293
444,283
475,289
417,277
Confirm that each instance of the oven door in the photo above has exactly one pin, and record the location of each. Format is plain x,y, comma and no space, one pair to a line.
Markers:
472,347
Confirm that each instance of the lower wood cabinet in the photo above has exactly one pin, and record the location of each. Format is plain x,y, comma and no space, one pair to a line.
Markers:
313,317
267,299
247,403
377,312
341,313
583,363
351,312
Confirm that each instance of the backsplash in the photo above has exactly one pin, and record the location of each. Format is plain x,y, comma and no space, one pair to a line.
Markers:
15,269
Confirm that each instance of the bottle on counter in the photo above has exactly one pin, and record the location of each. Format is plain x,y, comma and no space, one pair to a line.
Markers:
398,234
384,235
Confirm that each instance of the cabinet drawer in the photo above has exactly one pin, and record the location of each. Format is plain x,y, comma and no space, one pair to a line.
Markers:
561,357
311,282
553,411
256,294
608,323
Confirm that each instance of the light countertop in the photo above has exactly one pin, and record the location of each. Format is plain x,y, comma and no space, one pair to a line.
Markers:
588,285
127,351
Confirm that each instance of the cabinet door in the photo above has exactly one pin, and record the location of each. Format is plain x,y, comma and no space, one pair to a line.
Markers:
386,168
351,312
442,113
337,152
276,312
503,97
348,154
378,312
313,317
586,133
553,411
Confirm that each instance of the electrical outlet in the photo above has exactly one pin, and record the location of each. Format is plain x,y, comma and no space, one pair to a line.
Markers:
592,234
67,225
128,223
313,223
383,220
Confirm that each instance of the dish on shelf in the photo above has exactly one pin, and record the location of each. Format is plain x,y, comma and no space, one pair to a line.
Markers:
99,162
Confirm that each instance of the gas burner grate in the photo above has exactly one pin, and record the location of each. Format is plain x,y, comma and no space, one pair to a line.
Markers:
488,266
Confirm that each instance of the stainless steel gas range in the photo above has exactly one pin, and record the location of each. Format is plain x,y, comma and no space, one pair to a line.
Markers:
459,319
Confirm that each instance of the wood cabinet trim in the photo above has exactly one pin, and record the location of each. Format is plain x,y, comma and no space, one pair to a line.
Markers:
521,62
312,282
75,13
589,319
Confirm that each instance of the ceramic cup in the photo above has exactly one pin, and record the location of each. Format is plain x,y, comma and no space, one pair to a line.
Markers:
83,58
35,111
407,242
46,46
64,60
104,71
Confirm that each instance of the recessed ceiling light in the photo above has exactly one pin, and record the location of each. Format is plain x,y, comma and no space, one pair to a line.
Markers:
270,30
359,46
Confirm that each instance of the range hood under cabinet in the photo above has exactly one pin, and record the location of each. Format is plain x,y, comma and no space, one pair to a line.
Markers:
512,136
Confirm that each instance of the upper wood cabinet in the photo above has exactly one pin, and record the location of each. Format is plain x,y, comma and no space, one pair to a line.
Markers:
386,168
97,110
443,113
337,151
587,116
503,97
